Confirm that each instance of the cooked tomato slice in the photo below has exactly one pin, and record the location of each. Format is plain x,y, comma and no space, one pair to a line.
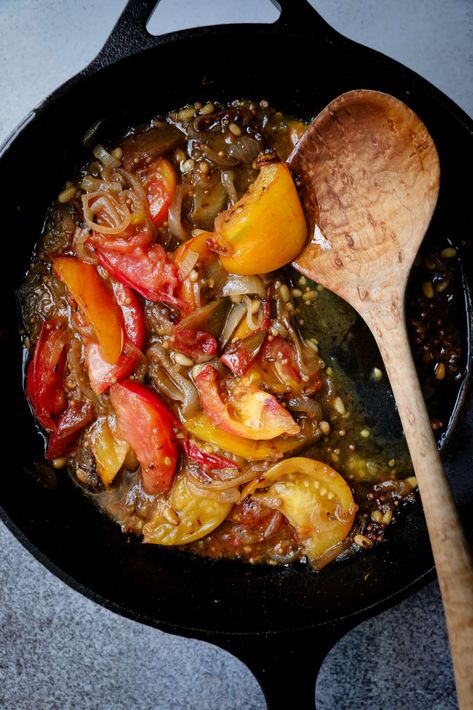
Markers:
69,426
101,374
148,270
209,462
196,344
242,354
148,426
249,412
95,301
278,357
45,374
160,186
314,498
132,313
278,365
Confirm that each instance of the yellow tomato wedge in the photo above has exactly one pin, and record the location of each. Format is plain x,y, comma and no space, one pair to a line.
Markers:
109,451
266,229
202,428
314,498
184,517
95,301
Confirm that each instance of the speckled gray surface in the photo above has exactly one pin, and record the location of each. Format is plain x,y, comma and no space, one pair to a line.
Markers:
58,649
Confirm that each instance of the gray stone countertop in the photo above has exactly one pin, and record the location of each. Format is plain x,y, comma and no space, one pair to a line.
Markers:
57,648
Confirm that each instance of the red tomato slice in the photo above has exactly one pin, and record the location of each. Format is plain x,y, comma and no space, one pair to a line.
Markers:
160,186
101,374
123,243
95,302
259,415
132,314
44,378
209,462
148,270
148,427
242,354
278,360
68,429
196,344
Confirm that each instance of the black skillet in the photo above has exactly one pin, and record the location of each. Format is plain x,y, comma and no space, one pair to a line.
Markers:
280,622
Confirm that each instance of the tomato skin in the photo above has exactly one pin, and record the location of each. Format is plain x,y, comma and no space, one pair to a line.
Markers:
147,425
160,186
132,314
147,270
45,374
196,344
101,374
69,426
209,462
280,356
241,355
262,417
95,302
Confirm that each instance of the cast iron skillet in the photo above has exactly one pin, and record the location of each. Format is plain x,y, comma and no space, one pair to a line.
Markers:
280,622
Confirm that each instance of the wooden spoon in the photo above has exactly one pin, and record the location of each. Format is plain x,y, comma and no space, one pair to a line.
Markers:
371,173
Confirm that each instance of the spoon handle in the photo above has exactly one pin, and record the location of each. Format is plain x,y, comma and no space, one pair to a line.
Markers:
452,555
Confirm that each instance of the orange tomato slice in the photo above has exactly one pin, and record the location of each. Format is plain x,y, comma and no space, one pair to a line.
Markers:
95,301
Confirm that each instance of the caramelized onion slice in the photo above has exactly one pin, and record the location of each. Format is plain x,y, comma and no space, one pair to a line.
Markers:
115,216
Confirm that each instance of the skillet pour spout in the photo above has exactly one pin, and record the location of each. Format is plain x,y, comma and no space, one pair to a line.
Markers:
280,621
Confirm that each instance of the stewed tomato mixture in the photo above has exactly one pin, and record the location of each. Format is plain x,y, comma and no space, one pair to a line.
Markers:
170,363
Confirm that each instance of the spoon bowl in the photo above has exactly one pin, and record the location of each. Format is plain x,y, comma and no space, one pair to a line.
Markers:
371,170
369,173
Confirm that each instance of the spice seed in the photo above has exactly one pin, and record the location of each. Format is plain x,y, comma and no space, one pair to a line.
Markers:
186,114
448,253
236,130
284,293
439,371
187,165
183,360
428,289
59,462
324,427
376,516
365,433
338,405
207,109
66,195
441,286
387,517
363,541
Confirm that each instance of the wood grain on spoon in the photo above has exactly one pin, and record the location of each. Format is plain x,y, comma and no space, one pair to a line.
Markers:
370,173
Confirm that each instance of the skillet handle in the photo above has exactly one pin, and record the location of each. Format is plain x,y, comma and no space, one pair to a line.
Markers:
300,15
285,664
130,34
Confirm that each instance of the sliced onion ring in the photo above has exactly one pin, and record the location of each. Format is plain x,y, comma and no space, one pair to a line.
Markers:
117,214
242,285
